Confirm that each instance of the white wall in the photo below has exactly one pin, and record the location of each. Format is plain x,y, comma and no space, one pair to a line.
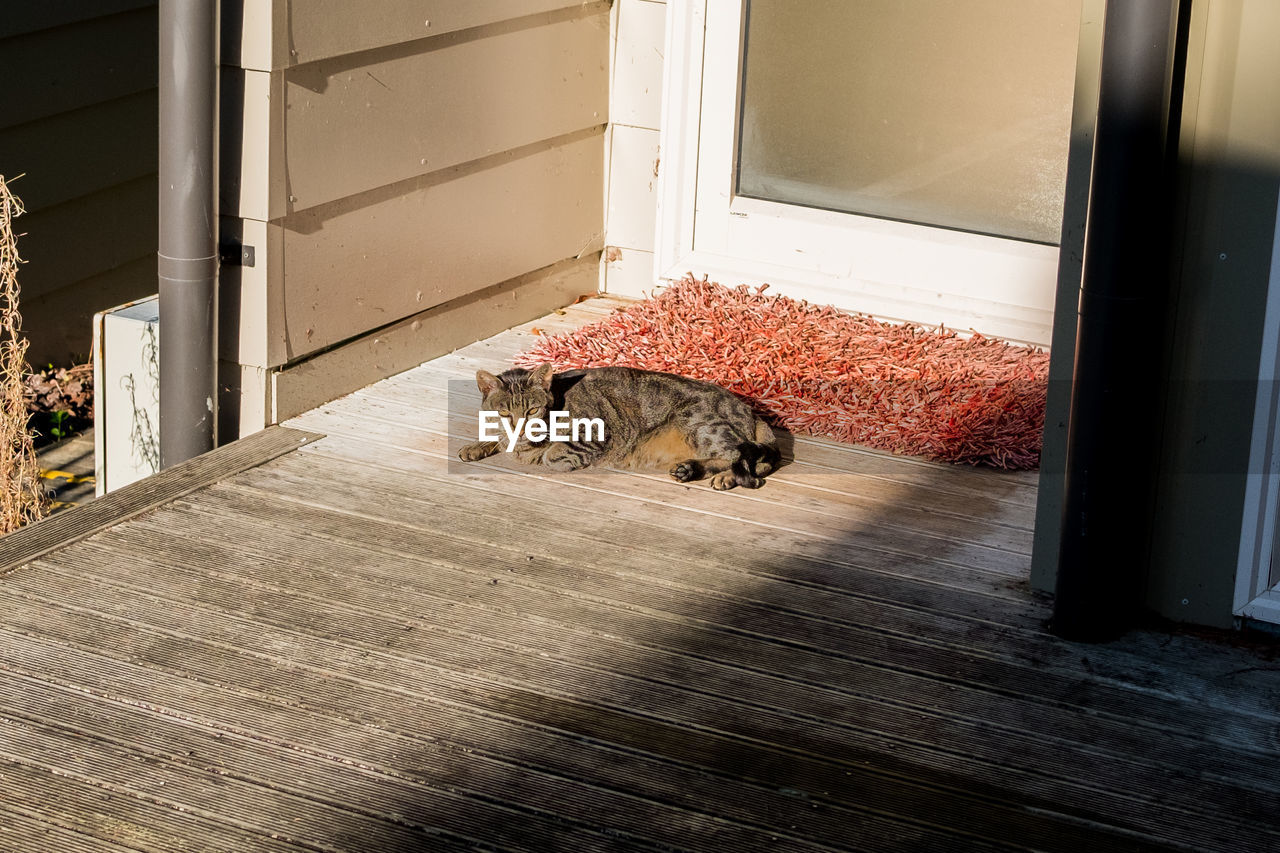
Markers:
632,153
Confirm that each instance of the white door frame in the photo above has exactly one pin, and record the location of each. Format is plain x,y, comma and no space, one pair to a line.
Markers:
895,270
1255,597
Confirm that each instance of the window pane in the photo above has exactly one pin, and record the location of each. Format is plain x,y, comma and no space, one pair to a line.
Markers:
945,112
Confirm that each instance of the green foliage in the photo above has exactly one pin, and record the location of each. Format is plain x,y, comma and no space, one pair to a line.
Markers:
59,427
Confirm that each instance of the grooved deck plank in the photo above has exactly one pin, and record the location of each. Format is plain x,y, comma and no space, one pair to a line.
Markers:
32,541
821,454
20,831
507,671
817,489
409,472
110,816
613,584
807,519
401,746
569,812
366,646
803,578
918,793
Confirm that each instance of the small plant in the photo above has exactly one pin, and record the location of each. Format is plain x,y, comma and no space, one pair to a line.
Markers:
59,427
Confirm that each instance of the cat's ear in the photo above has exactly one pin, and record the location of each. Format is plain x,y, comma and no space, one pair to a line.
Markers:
542,376
487,382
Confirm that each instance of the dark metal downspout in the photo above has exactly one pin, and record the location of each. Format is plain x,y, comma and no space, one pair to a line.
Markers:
188,262
1114,419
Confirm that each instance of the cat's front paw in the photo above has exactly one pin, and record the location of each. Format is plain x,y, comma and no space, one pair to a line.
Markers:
564,463
477,451
531,455
559,458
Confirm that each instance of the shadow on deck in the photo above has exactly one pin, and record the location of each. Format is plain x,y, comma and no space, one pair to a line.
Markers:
355,646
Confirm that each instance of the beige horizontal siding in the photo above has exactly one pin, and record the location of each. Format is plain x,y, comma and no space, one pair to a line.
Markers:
268,35
360,264
354,125
58,324
84,151
88,235
58,70
84,256
432,333
398,173
327,130
31,16
80,125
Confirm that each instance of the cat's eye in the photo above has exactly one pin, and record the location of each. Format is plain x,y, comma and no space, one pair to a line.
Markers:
532,411
504,414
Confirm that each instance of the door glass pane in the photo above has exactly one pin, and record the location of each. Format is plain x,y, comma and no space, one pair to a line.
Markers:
953,113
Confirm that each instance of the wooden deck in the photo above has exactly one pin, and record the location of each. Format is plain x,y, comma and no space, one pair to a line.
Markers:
361,646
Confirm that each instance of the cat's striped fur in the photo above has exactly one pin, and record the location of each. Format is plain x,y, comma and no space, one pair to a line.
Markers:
690,429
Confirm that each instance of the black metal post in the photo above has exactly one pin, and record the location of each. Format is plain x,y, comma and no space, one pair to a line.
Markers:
188,259
1113,421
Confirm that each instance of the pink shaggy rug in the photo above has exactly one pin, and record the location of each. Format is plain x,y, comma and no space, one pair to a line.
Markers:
817,371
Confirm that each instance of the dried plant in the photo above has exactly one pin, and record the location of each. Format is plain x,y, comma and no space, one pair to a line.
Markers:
21,498
62,389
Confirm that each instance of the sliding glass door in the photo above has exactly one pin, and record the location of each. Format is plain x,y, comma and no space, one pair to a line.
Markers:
906,158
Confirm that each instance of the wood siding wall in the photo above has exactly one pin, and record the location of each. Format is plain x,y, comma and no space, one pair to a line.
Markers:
383,161
79,121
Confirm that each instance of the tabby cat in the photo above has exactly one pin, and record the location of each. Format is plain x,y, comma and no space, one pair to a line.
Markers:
689,428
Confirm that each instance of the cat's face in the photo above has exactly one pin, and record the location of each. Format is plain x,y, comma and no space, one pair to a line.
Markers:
516,393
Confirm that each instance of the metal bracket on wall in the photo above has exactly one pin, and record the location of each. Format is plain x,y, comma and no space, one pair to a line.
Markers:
236,255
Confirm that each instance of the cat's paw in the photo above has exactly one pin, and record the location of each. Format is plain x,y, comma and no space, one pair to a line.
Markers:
685,471
564,463
558,458
724,480
531,455
477,451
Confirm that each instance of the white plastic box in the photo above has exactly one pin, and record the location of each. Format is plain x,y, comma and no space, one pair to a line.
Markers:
126,400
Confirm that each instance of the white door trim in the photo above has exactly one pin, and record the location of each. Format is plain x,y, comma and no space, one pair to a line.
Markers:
678,139
895,270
